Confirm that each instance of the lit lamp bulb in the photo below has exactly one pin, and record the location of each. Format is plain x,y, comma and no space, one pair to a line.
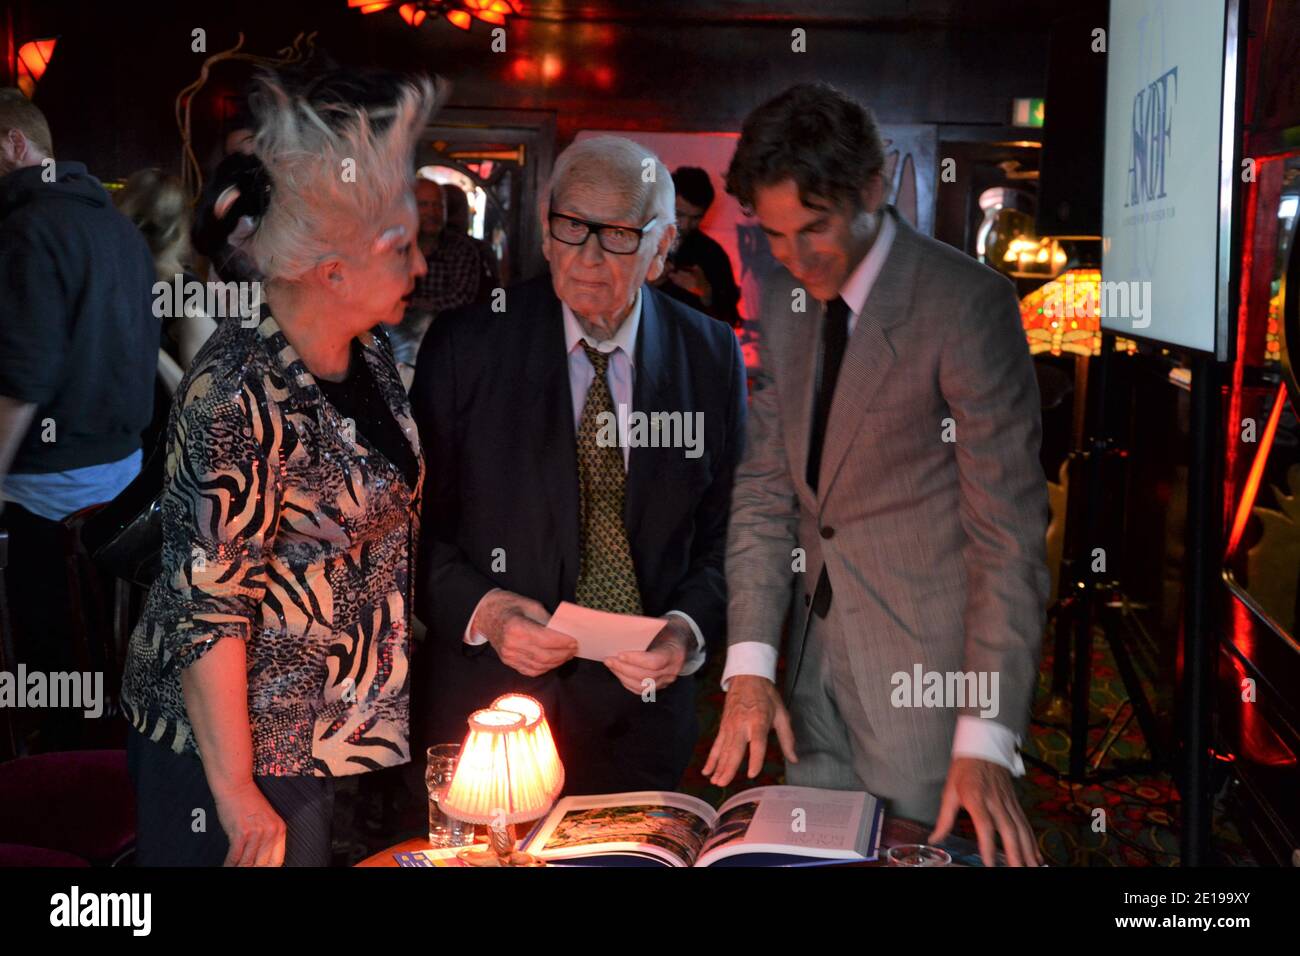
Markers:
505,775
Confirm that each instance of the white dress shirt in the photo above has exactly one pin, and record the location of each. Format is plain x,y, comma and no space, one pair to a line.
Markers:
621,376
975,736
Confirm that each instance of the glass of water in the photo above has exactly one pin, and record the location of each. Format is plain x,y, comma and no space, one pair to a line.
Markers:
444,831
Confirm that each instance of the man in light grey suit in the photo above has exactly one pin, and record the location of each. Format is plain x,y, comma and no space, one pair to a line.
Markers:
891,476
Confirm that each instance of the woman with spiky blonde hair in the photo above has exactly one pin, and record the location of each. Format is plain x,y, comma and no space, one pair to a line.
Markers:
272,652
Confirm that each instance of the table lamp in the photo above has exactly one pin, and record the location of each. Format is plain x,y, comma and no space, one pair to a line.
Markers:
539,733
505,775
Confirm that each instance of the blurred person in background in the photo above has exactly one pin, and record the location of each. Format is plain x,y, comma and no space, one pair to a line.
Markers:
457,203
78,352
158,205
699,270
455,276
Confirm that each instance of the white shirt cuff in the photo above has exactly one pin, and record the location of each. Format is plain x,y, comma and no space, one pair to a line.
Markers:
476,638
696,660
750,657
987,740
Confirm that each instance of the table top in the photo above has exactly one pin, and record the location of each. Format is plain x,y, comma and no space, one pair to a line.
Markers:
898,830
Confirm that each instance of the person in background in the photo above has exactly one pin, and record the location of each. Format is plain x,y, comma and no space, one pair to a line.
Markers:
223,225
271,656
78,350
699,269
455,277
457,204
159,207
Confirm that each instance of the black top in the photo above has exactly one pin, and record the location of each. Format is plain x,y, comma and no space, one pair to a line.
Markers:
78,336
359,398
697,249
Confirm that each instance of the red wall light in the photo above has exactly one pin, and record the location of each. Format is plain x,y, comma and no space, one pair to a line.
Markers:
33,58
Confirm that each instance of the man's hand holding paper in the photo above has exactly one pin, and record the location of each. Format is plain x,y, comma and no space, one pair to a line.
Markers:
634,648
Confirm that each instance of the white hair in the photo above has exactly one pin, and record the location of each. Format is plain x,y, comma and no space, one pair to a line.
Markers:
336,169
620,163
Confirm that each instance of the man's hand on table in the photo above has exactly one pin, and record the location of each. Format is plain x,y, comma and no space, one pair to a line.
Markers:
984,789
661,662
753,708
516,628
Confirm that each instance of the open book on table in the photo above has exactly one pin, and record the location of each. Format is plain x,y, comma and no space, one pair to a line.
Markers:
765,826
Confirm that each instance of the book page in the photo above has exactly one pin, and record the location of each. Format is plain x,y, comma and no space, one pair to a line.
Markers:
801,821
670,827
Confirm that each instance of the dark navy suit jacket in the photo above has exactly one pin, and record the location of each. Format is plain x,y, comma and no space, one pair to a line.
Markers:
494,406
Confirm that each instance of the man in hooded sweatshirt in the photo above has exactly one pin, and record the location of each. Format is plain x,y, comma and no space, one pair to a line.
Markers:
78,348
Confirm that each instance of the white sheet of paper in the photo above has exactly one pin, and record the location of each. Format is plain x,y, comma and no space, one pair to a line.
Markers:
601,634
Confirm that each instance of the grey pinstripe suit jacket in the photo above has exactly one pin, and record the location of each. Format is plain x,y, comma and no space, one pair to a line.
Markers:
936,554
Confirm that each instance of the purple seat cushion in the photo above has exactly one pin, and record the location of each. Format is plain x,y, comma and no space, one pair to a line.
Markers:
80,802
12,854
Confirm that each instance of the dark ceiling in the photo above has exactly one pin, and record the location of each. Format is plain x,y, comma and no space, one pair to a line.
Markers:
1023,13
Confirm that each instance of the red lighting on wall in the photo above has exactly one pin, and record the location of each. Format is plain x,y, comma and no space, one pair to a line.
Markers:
524,68
1258,742
1251,488
33,58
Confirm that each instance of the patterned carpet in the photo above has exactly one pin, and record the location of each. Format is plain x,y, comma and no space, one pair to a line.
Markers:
1141,810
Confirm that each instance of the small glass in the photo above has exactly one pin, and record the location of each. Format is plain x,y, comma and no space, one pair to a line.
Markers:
444,831
917,854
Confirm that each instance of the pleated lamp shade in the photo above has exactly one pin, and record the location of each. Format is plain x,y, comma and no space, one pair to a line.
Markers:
500,779
541,741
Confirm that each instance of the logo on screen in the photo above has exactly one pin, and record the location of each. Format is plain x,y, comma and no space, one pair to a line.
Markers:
1153,131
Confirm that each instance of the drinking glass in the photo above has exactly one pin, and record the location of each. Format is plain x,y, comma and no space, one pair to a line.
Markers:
444,830
917,854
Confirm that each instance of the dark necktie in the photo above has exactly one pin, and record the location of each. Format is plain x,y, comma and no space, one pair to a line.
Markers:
606,574
835,338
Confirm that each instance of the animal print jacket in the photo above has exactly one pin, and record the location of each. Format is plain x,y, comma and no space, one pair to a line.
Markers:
283,531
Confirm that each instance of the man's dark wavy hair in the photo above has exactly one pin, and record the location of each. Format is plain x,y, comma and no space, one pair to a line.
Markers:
824,140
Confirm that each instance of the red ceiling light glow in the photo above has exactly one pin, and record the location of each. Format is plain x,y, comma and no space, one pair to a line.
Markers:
491,11
412,14
459,13
33,58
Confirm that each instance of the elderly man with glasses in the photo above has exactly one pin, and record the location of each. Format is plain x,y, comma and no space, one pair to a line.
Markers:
532,500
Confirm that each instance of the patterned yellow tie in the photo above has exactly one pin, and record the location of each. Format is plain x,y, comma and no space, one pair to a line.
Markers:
607,576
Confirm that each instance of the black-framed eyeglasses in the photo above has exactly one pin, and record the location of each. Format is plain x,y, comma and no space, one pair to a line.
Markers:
619,240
